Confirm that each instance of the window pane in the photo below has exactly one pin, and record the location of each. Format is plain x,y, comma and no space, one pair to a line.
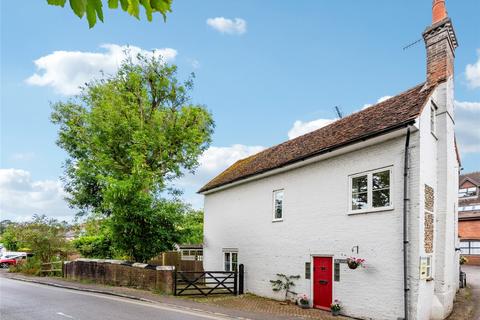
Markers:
278,204
359,201
234,261
381,180
475,251
359,184
227,261
381,198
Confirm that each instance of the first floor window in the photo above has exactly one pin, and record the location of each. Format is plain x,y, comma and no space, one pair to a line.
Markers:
278,205
370,190
467,192
470,247
230,260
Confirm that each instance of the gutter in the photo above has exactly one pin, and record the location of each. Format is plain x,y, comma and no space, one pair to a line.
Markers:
405,226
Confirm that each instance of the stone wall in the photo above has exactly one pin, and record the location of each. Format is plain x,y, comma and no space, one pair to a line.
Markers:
121,273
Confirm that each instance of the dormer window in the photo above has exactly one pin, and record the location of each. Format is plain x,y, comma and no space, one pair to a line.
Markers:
467,192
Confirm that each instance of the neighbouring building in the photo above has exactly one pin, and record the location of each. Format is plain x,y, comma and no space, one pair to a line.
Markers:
380,184
469,216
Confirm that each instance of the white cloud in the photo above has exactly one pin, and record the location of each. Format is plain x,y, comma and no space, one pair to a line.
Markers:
21,197
300,128
66,71
472,73
467,118
228,26
381,99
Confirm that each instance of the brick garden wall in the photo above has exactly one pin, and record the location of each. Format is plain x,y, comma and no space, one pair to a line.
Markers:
119,273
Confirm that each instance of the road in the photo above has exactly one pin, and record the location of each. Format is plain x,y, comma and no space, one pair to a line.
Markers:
22,300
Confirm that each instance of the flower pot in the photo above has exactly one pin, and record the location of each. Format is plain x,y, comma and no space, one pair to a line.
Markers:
352,265
335,312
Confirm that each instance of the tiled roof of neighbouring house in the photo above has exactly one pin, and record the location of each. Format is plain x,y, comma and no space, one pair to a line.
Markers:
377,119
472,176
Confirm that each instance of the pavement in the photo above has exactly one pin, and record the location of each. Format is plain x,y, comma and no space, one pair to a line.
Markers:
27,297
25,300
473,281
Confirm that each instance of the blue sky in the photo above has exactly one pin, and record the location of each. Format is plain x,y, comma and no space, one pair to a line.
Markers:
275,72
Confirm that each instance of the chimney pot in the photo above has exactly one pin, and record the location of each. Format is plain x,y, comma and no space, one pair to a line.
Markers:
439,11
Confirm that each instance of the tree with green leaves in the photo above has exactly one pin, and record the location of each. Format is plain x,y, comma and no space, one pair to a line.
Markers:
93,9
42,236
127,137
191,228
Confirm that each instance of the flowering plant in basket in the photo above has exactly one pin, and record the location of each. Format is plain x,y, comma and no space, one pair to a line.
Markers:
353,262
302,300
336,307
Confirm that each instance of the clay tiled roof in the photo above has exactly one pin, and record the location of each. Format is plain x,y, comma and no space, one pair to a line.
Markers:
472,176
383,117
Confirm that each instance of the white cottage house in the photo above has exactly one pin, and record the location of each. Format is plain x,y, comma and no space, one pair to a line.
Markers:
380,184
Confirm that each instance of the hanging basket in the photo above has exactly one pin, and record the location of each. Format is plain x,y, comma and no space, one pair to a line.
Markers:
352,264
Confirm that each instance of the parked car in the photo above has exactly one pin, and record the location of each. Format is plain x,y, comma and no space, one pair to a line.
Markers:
10,260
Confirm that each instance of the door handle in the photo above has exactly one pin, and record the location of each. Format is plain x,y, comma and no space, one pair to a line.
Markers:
323,282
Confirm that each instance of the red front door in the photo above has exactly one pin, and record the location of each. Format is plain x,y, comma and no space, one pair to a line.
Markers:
322,282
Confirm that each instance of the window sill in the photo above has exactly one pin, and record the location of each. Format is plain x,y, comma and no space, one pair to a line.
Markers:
277,220
364,211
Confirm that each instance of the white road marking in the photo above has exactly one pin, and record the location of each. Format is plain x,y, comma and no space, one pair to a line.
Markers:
65,315
157,305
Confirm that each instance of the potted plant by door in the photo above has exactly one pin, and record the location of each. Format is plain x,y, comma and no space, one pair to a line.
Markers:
302,301
336,307
354,263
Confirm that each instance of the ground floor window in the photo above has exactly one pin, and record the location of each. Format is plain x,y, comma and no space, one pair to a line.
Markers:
470,247
230,260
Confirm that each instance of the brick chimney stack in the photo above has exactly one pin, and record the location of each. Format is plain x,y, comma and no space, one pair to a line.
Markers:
440,42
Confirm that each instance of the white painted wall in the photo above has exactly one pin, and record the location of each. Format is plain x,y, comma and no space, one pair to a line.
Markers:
316,222
447,269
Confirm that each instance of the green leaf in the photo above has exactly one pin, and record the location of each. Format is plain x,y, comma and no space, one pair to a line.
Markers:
133,8
91,15
78,7
162,6
60,3
113,4
124,4
97,4
148,9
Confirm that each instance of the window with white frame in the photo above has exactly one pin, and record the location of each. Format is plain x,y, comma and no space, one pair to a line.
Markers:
192,255
370,191
230,260
426,267
469,208
467,192
470,247
278,205
432,119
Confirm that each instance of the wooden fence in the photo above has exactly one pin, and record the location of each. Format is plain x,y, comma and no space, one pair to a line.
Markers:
174,258
52,268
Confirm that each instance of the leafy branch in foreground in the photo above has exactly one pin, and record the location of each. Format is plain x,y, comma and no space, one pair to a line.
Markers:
93,9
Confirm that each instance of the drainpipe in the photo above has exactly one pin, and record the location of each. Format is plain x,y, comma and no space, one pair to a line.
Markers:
405,227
